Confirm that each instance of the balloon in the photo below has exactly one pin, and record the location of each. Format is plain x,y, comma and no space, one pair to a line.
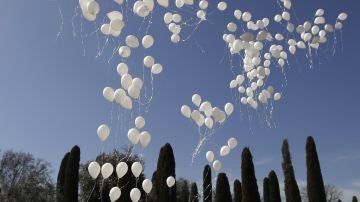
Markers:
205,106
122,69
121,169
232,27
94,169
176,18
243,100
338,25
277,96
290,27
319,12
132,41
168,18
329,28
319,20
229,108
285,15
301,44
179,3
116,24
145,138
119,95
137,82
135,195
133,135
124,51
103,132
237,14
222,5
141,9
170,181
233,84
106,170
201,14
149,4
163,3
209,122
175,38
147,186
114,15
225,150
196,99
189,2
136,169
147,41
277,18
114,194
241,89
93,7
108,94
232,143
119,1
246,16
139,122
105,29
210,156
156,68
149,61
134,91
126,81
292,49
287,4
217,165
186,111
201,120
342,16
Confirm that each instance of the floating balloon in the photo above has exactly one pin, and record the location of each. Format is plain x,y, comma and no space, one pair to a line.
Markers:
156,68
132,41
108,94
186,111
210,156
145,138
135,195
217,165
222,5
170,181
196,99
225,150
136,169
124,51
103,132
209,122
126,81
94,169
114,194
277,96
232,143
107,170
147,41
237,14
147,186
229,108
121,169
122,69
133,135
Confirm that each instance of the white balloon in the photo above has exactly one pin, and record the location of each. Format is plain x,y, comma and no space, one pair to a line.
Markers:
156,68
145,138
168,18
277,96
108,94
147,186
121,169
189,2
176,18
217,165
179,3
132,41
139,122
210,156
203,4
225,150
232,27
126,81
222,5
237,14
205,106
122,69
103,132
105,29
175,38
114,15
136,169
147,41
342,16
209,122
285,15
119,95
119,1
319,12
134,91
201,14
137,82
141,9
124,51
133,135
232,143
329,28
170,181
243,100
106,170
301,44
277,18
114,194
292,49
135,195
196,99
186,111
116,25
233,84
93,7
287,4
201,120
163,3
338,25
241,89
319,20
149,4
149,61
246,16
94,169
229,108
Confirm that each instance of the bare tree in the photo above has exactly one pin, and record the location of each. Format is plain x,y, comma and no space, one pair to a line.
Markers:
333,194
24,178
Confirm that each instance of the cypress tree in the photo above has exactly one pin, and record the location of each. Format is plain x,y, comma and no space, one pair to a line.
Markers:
222,193
182,188
207,186
315,184
72,175
292,192
237,191
274,190
354,199
250,190
194,195
165,168
61,179
266,190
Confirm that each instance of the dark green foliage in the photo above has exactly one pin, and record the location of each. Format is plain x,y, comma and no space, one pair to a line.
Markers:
354,199
250,190
98,190
274,190
292,192
339,200
61,179
237,191
315,184
266,195
207,186
153,196
165,168
194,194
182,187
222,193
71,182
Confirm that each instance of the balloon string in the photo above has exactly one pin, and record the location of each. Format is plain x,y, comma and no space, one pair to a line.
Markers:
92,190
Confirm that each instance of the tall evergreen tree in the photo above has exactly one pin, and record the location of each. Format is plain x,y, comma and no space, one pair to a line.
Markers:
237,191
315,184
292,192
266,195
153,197
182,188
194,195
61,179
207,186
354,199
71,184
250,190
222,193
274,190
165,168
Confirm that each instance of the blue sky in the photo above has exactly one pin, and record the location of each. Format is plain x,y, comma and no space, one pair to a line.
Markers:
51,94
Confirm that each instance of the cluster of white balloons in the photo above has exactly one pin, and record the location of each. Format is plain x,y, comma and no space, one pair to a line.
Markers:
115,26
143,8
89,9
205,113
173,21
224,151
149,62
135,136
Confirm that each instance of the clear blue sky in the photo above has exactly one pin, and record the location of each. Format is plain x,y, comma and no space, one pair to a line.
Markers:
51,95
